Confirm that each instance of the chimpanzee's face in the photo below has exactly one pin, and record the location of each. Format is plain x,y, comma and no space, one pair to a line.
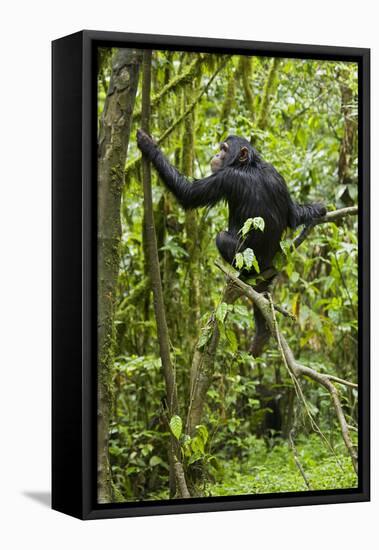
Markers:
218,160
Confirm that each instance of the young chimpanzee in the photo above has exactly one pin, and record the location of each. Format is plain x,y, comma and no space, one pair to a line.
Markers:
252,188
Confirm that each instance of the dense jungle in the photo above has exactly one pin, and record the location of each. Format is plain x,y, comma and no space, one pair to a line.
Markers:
184,409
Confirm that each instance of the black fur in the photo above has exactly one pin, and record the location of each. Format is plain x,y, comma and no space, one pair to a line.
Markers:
251,188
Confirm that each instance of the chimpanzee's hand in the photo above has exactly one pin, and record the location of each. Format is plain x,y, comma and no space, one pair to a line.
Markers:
145,142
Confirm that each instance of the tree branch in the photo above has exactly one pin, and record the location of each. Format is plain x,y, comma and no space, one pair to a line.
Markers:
296,368
132,164
177,82
334,216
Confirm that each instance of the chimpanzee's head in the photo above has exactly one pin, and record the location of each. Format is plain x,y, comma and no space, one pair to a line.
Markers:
234,151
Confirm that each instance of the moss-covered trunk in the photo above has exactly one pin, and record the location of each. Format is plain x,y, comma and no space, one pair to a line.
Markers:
202,368
245,67
347,176
156,285
191,221
268,92
113,144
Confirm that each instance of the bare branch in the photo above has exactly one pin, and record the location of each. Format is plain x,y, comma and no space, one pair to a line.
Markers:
341,381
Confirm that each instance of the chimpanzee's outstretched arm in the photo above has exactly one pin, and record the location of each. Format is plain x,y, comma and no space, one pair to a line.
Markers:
204,192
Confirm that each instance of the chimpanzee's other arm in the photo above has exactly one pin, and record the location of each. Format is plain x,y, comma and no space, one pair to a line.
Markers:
304,213
204,192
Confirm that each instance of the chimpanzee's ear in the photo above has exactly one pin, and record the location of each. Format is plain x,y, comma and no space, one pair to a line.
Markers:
244,154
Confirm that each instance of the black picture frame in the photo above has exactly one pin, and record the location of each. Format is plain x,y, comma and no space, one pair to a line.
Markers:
74,129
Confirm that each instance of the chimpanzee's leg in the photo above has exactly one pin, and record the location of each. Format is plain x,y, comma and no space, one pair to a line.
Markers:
227,245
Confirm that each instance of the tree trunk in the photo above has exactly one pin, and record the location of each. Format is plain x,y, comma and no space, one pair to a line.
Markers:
191,223
246,69
113,144
156,283
267,93
346,174
202,368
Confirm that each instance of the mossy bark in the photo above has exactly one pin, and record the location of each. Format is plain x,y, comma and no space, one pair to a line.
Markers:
156,284
346,174
245,68
229,101
113,144
202,368
267,93
191,221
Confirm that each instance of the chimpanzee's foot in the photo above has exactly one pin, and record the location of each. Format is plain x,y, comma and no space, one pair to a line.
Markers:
260,281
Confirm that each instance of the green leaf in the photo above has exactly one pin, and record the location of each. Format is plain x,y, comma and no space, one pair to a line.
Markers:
286,245
205,336
301,137
239,260
174,248
221,312
294,277
256,266
259,223
353,191
256,223
176,426
154,461
197,445
248,257
246,227
232,340
340,190
202,432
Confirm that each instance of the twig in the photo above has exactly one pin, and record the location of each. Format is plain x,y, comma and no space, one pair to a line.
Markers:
297,460
291,438
284,312
341,381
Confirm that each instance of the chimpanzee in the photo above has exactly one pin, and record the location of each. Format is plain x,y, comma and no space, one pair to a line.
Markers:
252,188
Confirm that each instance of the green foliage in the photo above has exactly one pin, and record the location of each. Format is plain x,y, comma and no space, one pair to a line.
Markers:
176,426
250,260
241,446
221,312
255,223
274,470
